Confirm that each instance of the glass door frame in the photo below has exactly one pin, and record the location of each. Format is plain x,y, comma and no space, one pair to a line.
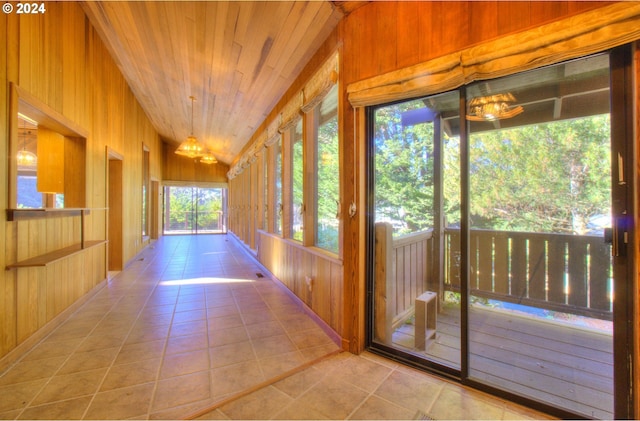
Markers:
194,205
624,265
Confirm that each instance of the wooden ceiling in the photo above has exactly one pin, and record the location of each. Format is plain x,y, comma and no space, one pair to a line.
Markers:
236,58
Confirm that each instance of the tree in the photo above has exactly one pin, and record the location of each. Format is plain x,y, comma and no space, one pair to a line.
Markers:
550,177
403,169
547,177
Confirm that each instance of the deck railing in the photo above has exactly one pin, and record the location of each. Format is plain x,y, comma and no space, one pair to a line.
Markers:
566,273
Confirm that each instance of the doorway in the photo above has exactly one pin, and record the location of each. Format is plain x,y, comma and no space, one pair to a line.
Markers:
195,210
114,189
490,206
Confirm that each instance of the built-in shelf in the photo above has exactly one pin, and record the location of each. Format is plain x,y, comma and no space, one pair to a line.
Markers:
20,214
54,256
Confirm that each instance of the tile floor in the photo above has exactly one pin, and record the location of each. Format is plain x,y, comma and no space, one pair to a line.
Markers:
189,329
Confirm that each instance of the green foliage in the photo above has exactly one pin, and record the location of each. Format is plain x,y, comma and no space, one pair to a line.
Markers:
328,187
548,177
404,169
185,201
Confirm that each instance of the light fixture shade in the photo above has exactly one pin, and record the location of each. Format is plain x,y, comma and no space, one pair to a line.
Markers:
190,148
208,158
492,107
27,159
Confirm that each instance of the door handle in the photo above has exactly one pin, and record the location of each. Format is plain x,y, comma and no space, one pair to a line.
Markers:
617,236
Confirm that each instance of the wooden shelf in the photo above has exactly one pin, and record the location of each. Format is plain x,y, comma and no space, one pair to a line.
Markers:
46,259
19,214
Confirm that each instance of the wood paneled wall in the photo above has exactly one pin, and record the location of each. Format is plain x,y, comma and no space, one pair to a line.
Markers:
59,59
180,168
374,39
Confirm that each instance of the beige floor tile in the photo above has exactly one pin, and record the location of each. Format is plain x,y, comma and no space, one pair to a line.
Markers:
299,411
375,408
103,340
178,391
298,323
454,403
182,411
189,315
212,415
51,349
32,370
147,334
413,392
234,353
310,338
334,399
177,345
228,336
185,363
300,382
274,366
222,311
125,375
125,353
121,403
70,386
150,319
235,378
140,351
363,373
261,405
224,322
253,317
314,353
265,330
17,396
188,328
272,346
72,409
83,361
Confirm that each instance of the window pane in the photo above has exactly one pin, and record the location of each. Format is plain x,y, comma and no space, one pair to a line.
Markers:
297,182
328,173
278,188
28,195
265,191
404,166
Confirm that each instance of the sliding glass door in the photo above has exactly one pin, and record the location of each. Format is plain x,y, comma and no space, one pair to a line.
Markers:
194,210
493,213
415,208
540,273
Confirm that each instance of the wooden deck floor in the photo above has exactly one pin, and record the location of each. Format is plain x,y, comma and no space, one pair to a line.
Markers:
567,366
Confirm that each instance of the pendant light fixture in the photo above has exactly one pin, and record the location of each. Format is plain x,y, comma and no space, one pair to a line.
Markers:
191,148
493,107
26,159
208,158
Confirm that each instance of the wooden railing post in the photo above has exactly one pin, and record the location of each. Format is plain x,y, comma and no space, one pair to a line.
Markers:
385,286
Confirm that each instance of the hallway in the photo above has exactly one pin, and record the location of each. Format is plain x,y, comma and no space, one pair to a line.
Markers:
196,327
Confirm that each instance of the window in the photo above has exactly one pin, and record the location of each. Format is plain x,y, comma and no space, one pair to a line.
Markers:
327,189
277,187
265,190
194,210
145,192
297,182
47,156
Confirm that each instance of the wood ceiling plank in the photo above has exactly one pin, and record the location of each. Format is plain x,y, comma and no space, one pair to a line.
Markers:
236,58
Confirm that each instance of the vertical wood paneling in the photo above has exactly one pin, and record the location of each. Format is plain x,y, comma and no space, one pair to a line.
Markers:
59,59
291,264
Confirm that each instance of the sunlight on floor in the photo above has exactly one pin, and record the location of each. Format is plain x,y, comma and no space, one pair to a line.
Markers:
204,281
